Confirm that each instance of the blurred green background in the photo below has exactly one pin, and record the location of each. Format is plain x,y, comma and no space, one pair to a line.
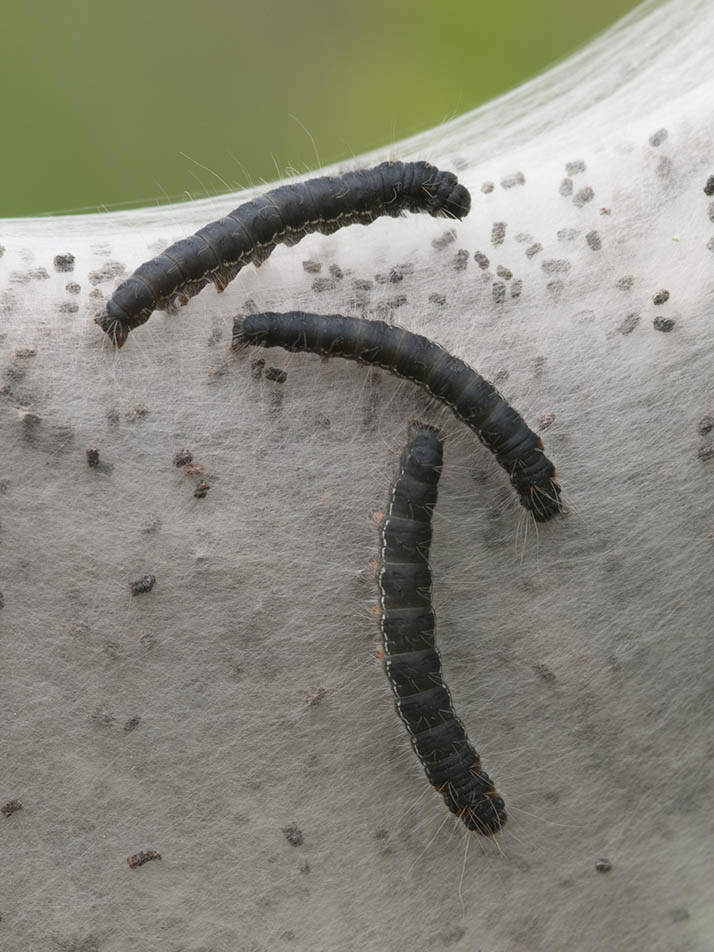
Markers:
108,103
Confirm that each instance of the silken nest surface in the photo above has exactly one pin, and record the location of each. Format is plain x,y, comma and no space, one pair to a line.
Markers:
199,749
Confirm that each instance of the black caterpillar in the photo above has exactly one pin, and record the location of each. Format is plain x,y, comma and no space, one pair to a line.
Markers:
250,233
411,658
474,400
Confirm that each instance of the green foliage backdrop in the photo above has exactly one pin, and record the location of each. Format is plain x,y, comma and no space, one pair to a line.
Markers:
108,103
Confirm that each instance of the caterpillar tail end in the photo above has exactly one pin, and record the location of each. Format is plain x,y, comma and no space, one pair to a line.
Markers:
239,341
448,198
488,819
543,502
414,426
458,202
486,815
113,327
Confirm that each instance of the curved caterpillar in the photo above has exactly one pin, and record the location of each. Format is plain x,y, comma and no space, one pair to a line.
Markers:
250,233
411,659
474,400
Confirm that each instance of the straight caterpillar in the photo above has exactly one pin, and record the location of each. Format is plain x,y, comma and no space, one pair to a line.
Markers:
411,659
217,252
474,400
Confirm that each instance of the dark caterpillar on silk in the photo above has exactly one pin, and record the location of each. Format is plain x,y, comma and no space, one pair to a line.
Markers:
411,659
472,398
217,252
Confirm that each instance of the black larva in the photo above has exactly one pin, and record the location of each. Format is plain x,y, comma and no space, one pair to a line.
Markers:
250,233
411,659
474,400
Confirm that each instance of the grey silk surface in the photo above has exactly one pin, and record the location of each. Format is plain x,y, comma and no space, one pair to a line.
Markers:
242,697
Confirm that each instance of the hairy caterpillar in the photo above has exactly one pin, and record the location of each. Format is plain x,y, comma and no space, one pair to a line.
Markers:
411,659
250,233
474,400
